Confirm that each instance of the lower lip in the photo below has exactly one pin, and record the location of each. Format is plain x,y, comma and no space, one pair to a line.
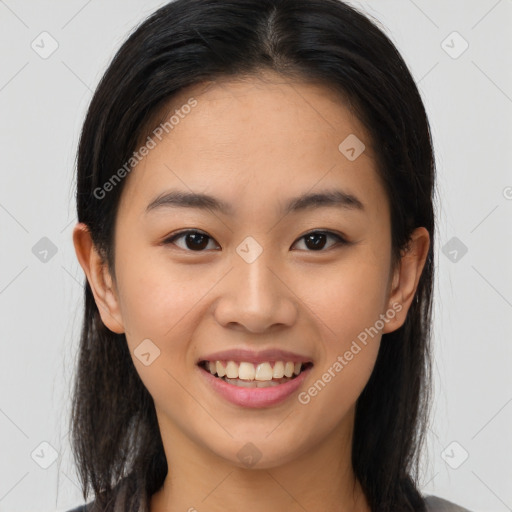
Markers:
255,397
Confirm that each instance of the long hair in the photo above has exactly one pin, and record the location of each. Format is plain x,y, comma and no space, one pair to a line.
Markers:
114,430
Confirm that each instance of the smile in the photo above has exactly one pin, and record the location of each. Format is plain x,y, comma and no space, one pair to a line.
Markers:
245,374
254,385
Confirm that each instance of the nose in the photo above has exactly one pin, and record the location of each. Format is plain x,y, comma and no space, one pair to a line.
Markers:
255,296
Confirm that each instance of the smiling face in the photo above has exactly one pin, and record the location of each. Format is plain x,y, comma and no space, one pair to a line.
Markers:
260,270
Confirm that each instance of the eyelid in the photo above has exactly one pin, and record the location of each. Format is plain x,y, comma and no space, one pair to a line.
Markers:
341,239
170,239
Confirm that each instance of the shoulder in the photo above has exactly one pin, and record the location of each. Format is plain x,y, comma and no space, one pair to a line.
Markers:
435,504
88,507
81,508
119,499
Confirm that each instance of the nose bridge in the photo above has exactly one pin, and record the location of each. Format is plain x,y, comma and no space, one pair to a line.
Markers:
257,298
257,282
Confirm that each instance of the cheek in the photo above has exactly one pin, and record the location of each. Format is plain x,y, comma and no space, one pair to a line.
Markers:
347,304
161,305
347,298
349,309
157,300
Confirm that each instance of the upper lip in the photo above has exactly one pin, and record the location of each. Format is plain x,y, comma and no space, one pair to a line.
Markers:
249,356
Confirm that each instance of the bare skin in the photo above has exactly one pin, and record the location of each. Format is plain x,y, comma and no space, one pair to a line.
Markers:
255,144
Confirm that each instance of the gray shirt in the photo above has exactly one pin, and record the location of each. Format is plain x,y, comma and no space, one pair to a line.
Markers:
434,504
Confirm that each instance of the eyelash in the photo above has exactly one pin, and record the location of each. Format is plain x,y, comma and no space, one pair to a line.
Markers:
341,241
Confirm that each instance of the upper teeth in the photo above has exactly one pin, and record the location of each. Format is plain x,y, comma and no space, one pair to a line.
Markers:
249,371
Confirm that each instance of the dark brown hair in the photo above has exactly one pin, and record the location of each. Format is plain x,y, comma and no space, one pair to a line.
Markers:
114,428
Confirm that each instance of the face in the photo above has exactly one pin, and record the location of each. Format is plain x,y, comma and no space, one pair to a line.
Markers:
307,282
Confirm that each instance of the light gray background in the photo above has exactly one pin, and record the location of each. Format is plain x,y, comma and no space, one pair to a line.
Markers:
469,101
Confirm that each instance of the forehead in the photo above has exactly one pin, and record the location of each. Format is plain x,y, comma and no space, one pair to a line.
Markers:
266,133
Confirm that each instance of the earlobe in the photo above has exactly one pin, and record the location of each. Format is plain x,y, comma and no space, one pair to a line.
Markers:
99,278
406,277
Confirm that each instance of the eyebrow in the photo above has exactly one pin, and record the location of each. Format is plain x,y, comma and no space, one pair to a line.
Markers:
327,198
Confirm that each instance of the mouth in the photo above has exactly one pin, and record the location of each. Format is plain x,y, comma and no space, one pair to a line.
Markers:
251,375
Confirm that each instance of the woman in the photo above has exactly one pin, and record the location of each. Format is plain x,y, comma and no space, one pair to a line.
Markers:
254,195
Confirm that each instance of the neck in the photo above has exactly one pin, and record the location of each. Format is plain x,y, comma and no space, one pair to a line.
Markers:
320,479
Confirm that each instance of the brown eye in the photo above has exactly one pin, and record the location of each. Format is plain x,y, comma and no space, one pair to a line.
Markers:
194,240
316,240
197,241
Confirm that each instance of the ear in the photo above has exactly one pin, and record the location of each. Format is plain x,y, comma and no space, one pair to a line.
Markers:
406,277
100,280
